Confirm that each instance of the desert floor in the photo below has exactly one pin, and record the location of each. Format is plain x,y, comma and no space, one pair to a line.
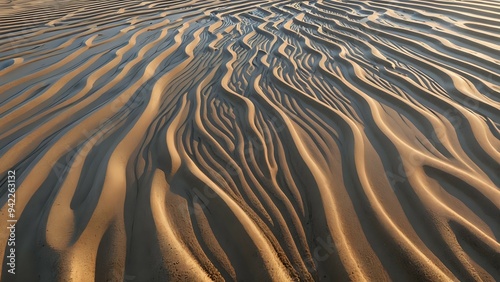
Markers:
250,140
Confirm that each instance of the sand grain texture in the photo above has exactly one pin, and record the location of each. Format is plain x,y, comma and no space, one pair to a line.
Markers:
251,140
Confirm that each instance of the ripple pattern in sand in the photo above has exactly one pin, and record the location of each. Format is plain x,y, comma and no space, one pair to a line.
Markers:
252,140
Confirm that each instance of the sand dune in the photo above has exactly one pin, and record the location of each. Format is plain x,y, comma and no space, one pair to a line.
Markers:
251,140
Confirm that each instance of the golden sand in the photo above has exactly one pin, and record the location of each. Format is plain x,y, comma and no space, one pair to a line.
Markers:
251,140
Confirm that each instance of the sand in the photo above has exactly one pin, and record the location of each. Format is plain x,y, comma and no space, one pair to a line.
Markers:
251,140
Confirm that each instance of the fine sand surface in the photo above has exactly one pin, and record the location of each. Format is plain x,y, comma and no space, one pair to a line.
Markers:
251,140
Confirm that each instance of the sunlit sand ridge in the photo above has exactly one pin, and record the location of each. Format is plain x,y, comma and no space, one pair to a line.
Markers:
251,140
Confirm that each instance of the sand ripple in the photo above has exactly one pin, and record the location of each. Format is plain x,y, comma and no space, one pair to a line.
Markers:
252,140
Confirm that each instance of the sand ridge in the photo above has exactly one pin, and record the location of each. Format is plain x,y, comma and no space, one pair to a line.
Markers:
252,140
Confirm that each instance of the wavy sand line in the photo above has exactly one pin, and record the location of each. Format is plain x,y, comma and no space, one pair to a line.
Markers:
258,140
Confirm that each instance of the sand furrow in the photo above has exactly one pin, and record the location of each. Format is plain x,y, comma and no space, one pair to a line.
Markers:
261,140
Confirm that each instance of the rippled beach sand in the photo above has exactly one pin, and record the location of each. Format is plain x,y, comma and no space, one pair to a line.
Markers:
251,140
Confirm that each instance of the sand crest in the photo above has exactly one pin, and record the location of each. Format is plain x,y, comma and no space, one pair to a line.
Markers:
251,140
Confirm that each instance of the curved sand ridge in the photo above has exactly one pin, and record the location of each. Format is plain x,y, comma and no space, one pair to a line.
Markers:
252,140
